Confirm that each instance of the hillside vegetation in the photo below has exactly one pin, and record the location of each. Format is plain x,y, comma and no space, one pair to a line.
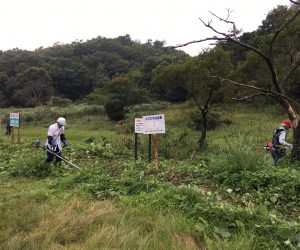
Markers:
227,197
73,71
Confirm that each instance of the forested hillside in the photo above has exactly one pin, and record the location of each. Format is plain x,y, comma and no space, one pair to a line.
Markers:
79,69
30,78
84,69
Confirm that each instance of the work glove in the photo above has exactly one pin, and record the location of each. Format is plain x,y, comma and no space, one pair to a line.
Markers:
53,144
65,142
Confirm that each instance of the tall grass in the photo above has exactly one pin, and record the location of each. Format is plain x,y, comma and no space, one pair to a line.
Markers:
41,220
242,155
46,113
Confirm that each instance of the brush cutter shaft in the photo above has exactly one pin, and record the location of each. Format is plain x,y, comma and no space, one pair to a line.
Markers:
51,152
38,144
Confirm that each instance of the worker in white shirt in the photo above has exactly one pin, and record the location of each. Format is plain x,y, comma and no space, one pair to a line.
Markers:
55,139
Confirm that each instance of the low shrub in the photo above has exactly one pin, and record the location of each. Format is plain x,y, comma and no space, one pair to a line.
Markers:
59,101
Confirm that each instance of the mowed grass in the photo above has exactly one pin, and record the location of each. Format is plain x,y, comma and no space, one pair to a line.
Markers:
36,217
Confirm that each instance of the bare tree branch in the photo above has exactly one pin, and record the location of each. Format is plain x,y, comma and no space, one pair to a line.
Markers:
191,42
196,101
247,46
267,58
235,31
233,38
294,2
207,102
228,37
262,90
248,97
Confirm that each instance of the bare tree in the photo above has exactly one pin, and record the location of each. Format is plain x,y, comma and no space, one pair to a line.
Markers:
268,57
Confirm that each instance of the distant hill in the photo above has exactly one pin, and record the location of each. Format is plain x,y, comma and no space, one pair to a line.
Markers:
30,78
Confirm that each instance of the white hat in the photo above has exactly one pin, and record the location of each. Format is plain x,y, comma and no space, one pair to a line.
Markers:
61,121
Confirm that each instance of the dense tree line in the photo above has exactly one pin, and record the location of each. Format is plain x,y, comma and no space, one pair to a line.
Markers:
73,71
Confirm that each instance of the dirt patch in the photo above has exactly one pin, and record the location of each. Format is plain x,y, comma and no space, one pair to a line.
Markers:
190,243
178,178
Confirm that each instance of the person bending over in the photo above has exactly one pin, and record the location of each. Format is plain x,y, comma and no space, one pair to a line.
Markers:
55,139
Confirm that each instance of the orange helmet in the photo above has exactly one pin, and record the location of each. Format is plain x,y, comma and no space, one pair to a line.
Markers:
287,122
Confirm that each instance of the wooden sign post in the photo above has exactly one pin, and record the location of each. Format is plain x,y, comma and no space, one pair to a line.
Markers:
14,121
153,125
149,147
138,129
155,152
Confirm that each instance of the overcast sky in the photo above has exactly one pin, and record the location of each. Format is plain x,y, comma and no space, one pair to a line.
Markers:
29,24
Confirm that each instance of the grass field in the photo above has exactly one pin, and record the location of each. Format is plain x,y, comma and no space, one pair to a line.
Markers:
227,197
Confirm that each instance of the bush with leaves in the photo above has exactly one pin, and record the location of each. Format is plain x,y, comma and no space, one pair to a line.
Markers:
59,101
115,110
123,94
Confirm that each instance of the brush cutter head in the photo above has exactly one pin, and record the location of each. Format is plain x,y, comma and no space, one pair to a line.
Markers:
269,146
37,143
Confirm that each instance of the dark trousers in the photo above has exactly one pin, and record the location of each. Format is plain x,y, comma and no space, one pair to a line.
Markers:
276,155
50,155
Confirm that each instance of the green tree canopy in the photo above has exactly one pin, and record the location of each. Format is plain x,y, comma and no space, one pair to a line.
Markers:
123,93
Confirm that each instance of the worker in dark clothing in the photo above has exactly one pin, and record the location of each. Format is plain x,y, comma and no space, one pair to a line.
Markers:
279,141
8,129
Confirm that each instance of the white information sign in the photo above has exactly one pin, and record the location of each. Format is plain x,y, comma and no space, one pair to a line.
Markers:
14,120
139,125
154,124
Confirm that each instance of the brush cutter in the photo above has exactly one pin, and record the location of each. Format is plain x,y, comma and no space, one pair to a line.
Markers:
278,148
38,144
269,146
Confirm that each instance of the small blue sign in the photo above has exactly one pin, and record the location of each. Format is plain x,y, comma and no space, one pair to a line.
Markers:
14,120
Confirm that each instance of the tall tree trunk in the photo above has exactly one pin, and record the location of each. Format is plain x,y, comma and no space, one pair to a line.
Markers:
202,139
296,129
296,142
